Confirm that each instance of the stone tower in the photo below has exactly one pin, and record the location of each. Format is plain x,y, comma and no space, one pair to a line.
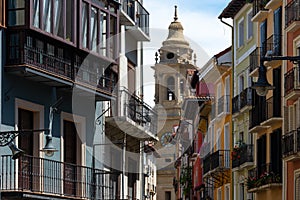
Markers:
173,71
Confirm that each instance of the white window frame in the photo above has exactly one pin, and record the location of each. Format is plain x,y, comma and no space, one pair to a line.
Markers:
241,83
226,137
219,194
249,22
218,146
241,36
227,188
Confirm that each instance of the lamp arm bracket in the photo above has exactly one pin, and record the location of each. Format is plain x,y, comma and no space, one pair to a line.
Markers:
7,137
293,59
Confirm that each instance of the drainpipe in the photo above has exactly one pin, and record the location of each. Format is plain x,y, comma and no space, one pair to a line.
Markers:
232,84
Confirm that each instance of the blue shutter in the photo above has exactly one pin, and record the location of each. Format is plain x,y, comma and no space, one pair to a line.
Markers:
277,31
263,37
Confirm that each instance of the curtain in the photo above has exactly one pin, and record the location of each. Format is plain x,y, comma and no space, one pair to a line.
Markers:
36,13
58,18
47,15
94,28
84,25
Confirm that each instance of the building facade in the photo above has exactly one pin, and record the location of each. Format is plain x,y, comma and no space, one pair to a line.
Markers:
73,56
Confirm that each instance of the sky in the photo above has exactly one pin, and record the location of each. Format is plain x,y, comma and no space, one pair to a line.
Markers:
202,28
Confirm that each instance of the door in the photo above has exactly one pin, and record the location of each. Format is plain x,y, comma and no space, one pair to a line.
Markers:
70,155
25,142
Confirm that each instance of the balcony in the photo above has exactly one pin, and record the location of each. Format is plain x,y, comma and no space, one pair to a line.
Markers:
217,166
259,11
136,19
292,84
133,117
242,157
292,16
64,69
39,178
254,62
264,177
272,46
273,112
257,116
291,145
242,102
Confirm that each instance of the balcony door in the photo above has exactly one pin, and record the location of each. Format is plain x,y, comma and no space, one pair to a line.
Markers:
70,157
25,142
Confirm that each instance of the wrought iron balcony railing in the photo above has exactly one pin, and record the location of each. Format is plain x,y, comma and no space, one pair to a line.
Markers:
135,109
272,45
291,143
216,160
257,115
138,14
254,61
242,100
273,108
291,80
48,177
242,155
263,175
259,5
292,12
68,68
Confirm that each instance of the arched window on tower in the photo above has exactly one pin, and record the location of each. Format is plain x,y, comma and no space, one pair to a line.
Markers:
171,88
182,88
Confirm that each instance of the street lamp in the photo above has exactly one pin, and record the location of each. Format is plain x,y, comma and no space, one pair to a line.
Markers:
262,86
7,137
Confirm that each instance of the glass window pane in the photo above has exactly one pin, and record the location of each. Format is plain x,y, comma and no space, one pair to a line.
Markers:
84,23
1,12
36,13
112,38
69,20
58,18
47,9
94,29
12,4
103,33
16,18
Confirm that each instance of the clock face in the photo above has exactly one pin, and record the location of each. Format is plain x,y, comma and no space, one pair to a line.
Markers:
166,139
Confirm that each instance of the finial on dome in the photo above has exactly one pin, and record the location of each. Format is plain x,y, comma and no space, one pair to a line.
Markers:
175,15
195,59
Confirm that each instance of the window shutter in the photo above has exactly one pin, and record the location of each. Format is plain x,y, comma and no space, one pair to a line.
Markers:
277,31
263,37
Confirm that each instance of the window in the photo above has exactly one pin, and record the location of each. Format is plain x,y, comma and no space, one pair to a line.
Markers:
171,88
58,18
14,49
112,37
227,192
167,195
36,13
226,137
16,12
241,191
249,25
219,194
241,33
241,83
94,29
84,25
103,33
70,20
47,15
218,147
297,185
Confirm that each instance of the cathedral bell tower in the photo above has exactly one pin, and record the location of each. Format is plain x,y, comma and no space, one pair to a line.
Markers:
174,68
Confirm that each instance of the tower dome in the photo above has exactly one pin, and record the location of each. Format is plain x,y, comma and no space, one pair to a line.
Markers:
176,44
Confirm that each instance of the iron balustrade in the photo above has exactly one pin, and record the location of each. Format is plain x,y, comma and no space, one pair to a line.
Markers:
259,5
244,154
272,108
138,14
272,45
142,18
292,12
128,7
45,176
236,104
246,97
138,111
68,69
216,160
291,80
291,143
254,59
257,114
263,174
